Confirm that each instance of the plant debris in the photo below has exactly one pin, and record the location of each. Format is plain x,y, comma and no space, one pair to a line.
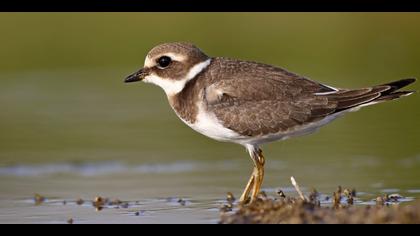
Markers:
230,197
280,193
39,199
140,213
115,202
99,203
228,207
80,201
284,209
182,202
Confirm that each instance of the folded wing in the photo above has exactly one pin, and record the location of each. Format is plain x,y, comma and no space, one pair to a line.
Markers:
254,106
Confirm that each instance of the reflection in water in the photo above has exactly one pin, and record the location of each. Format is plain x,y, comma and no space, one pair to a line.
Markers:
95,169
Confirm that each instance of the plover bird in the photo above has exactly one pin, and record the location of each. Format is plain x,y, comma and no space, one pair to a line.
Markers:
250,103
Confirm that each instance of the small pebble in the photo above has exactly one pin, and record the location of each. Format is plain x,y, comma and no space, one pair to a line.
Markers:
313,196
347,192
262,195
281,193
139,213
181,202
80,201
230,197
116,202
380,201
99,203
395,197
39,199
226,208
350,201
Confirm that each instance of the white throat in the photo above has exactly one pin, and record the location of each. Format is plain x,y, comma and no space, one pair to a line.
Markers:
172,87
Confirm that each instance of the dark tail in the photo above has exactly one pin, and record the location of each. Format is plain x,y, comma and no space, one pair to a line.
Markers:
347,99
393,92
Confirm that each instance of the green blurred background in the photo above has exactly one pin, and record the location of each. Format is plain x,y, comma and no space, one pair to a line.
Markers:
63,99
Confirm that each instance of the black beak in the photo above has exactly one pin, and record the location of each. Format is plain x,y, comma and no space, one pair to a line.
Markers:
138,76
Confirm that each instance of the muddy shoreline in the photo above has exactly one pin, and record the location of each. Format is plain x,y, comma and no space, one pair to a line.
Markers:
283,209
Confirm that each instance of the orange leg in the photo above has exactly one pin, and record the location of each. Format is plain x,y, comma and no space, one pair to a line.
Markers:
257,177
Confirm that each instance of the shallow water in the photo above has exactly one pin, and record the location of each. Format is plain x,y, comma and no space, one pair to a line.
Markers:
152,191
69,127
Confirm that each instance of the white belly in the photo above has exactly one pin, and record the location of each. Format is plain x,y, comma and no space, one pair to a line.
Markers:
207,124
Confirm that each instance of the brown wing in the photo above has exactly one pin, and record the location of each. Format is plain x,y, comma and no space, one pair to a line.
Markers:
261,106
270,100
256,99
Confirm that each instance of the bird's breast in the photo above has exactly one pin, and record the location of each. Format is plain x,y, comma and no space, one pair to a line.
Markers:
199,118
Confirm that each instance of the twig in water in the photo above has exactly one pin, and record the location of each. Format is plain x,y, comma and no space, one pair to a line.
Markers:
298,189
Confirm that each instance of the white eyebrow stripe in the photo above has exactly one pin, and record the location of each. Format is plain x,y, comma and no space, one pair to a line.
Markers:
149,62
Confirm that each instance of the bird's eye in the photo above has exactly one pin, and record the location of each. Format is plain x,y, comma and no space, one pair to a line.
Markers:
164,61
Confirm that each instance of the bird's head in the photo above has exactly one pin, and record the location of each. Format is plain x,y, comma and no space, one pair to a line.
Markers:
170,66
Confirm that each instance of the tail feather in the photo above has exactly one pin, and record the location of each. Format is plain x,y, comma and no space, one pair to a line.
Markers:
394,92
399,84
394,95
348,99
349,103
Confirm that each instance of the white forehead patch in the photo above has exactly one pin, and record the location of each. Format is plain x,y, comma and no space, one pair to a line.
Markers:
172,87
150,62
